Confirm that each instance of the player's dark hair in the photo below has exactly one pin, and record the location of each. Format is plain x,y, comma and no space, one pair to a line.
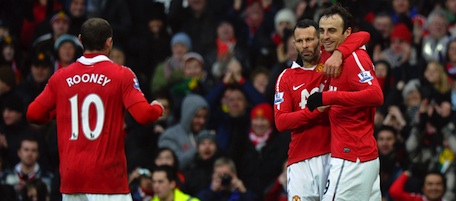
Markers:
337,9
307,23
94,33
171,173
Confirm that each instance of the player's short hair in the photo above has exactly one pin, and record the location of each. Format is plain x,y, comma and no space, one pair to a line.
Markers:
305,23
94,33
337,9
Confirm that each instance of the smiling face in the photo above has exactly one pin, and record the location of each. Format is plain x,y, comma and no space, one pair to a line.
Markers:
332,32
433,187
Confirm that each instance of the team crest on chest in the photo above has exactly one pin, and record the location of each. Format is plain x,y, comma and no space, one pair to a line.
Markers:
320,67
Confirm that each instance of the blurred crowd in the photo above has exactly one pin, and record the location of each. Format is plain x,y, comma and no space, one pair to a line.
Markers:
213,64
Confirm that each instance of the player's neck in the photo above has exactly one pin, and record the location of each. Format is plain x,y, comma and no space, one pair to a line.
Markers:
100,52
310,64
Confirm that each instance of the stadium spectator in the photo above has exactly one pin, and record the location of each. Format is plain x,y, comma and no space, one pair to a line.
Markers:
171,70
225,184
433,188
181,137
165,187
28,168
260,151
35,190
67,49
199,173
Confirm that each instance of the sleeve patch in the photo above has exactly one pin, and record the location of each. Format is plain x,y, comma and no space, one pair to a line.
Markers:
278,98
136,84
365,76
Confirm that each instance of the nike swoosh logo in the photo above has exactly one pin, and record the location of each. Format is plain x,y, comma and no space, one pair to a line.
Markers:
297,87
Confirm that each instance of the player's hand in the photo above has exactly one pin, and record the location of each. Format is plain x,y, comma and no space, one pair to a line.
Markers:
315,100
155,102
332,65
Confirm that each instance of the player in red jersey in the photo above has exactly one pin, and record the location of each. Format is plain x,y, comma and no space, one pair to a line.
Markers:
88,99
308,155
353,97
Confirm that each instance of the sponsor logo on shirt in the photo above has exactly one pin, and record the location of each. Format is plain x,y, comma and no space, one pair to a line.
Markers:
365,76
278,98
297,87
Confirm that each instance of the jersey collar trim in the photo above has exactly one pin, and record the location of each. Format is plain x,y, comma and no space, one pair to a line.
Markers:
296,65
91,61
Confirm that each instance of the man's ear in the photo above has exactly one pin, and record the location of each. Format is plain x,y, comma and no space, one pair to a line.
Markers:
108,43
348,31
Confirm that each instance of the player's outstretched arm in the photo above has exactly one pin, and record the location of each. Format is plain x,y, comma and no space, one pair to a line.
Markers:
37,114
372,96
145,113
353,42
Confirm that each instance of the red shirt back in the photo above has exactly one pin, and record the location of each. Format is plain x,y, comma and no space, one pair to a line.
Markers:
90,97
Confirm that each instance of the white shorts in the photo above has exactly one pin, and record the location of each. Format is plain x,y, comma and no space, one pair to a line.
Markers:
96,197
307,179
350,181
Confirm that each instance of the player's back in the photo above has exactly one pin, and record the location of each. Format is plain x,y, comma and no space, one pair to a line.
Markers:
91,97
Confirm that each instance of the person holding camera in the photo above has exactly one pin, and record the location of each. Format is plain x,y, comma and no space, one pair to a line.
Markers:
225,184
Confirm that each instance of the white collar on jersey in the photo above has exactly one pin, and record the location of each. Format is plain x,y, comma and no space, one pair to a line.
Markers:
91,61
296,65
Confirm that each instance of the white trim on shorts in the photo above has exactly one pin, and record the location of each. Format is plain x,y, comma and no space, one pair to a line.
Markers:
96,197
307,179
350,181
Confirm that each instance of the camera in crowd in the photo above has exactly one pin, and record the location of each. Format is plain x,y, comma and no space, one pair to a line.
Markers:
226,179
144,172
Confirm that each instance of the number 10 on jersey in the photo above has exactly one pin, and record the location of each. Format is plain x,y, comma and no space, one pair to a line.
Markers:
82,113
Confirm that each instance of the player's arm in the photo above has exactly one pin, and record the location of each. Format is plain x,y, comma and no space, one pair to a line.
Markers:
145,113
285,118
42,109
135,102
371,96
292,120
353,42
397,191
37,114
366,90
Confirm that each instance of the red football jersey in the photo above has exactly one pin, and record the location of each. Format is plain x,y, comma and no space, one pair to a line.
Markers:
353,97
90,98
310,131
